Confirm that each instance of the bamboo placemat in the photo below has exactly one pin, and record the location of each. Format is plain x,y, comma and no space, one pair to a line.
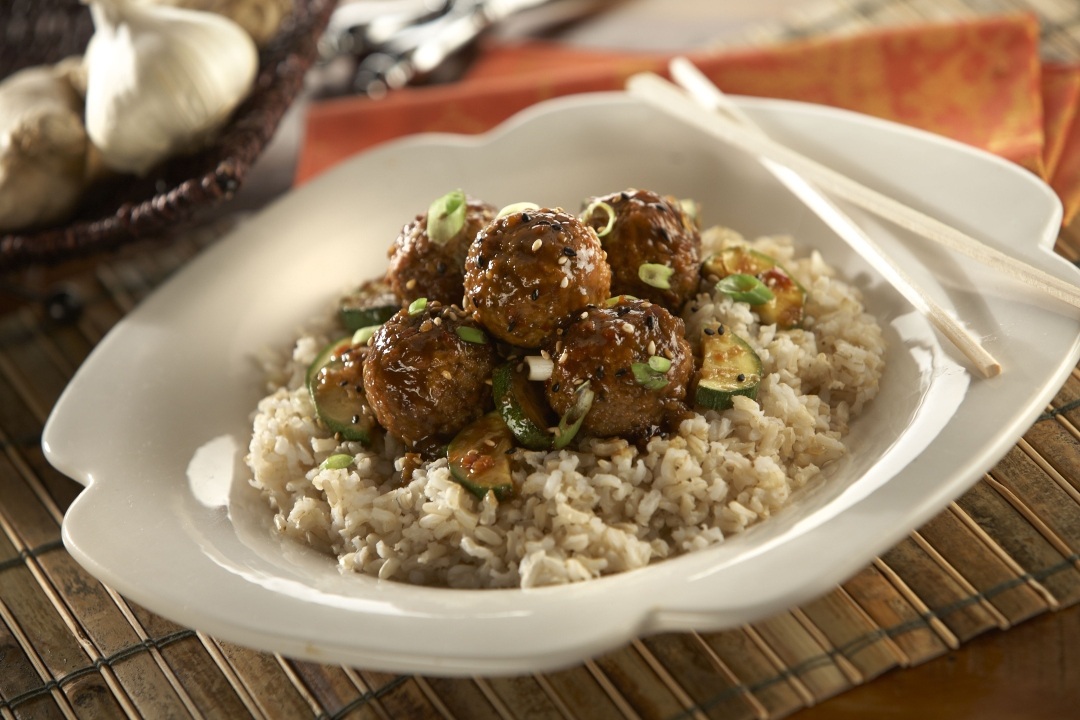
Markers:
1006,551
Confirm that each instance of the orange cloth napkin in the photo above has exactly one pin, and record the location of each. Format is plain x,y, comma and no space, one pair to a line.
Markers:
980,82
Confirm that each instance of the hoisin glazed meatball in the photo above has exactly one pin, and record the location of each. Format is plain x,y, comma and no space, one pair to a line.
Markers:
433,267
636,360
426,375
654,231
527,270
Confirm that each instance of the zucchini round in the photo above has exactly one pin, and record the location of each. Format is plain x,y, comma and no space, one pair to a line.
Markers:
335,382
479,460
729,367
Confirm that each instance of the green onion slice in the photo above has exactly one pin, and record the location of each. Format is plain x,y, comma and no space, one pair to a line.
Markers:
361,336
656,275
647,377
516,208
745,288
446,217
417,306
570,422
600,204
659,364
336,462
470,334
613,301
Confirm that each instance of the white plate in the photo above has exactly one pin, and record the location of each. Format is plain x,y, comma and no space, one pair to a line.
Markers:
155,423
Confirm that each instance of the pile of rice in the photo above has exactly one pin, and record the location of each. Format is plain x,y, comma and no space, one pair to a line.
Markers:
604,508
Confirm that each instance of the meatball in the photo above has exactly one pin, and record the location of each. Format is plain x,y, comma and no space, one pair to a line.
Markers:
649,229
422,267
636,360
527,270
427,373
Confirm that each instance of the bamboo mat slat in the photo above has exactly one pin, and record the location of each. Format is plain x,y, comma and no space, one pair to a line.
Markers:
1005,551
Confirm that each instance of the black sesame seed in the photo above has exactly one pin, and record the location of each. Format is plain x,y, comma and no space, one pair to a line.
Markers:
525,217
555,387
343,383
740,377
663,233
709,331
556,226
355,419
620,372
511,325
622,310
535,294
720,330
440,267
569,251
600,372
481,261
624,195
510,450
650,321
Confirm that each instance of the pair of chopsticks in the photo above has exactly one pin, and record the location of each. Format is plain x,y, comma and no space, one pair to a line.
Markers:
707,108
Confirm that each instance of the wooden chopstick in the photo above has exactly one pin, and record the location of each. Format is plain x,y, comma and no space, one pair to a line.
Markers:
671,99
711,97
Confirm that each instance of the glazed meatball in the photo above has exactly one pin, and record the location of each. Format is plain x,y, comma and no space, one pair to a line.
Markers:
654,230
611,347
421,267
527,270
426,376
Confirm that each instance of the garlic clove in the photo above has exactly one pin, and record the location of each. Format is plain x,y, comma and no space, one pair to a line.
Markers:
260,18
161,81
45,155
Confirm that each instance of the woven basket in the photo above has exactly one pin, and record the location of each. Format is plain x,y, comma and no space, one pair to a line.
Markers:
33,32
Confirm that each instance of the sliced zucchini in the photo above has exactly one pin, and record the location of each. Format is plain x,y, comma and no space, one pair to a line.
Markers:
478,457
785,310
335,381
372,304
729,367
523,407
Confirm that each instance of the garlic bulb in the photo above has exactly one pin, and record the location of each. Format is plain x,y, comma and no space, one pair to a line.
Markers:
161,81
45,156
261,18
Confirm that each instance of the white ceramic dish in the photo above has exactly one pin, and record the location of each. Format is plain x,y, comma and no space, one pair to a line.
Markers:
155,423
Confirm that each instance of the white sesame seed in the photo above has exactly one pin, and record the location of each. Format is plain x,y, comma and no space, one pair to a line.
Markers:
410,284
537,244
562,358
437,321
583,316
628,328
544,354
652,347
446,374
565,282
562,259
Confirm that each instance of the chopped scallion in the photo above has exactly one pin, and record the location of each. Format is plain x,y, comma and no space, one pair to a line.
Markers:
336,462
647,377
659,364
745,288
517,207
600,204
417,306
361,336
470,334
656,275
446,217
